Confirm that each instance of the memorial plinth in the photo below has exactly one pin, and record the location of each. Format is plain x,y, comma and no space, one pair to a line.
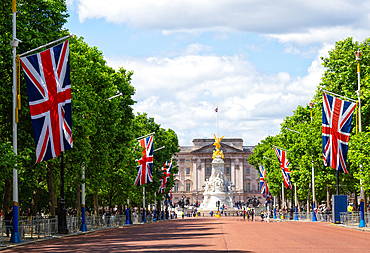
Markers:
217,187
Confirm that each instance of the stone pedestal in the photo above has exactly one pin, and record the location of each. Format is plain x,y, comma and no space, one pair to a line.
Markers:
217,188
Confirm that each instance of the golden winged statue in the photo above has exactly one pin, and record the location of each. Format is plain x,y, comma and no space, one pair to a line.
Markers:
217,145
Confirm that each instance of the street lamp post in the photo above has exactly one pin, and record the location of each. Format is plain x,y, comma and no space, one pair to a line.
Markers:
362,203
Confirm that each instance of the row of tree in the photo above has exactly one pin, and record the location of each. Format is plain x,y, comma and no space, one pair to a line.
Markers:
305,147
104,131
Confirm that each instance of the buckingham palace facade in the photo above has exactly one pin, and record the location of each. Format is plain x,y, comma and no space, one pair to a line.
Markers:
195,166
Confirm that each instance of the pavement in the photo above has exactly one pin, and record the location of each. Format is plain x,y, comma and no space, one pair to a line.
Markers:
227,234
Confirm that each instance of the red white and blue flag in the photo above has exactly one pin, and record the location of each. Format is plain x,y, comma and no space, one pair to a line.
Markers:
166,169
336,127
216,110
48,84
284,164
144,169
264,185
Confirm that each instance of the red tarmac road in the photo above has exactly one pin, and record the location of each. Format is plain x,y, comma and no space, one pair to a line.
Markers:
212,235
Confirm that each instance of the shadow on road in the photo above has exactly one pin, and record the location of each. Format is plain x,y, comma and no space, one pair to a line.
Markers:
160,237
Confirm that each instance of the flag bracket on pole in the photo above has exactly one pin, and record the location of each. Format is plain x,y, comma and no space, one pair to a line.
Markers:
335,94
46,45
279,148
144,136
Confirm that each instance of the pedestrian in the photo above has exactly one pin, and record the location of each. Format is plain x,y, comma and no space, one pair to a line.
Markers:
262,216
8,221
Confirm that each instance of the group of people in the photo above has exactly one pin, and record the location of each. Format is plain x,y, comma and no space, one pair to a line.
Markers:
249,214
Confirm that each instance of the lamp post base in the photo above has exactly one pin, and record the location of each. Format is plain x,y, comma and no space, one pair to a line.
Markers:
83,228
15,238
62,218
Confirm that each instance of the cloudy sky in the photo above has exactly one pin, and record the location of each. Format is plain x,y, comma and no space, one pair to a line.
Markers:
255,60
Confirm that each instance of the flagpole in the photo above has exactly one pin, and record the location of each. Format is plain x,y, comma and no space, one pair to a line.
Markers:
15,238
128,212
83,218
143,220
155,206
218,134
313,179
282,195
362,202
295,201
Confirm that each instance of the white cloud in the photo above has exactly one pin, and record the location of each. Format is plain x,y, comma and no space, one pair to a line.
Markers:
302,22
182,93
322,34
196,48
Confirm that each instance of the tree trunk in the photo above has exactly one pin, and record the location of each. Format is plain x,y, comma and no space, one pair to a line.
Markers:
120,208
328,196
35,199
96,205
78,203
355,202
7,195
49,179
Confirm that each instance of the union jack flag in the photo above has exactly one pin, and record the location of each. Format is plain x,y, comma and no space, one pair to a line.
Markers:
166,175
264,185
284,164
336,127
48,84
144,169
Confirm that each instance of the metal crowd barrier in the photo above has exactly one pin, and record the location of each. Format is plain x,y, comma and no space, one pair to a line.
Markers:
34,228
37,228
304,216
104,221
353,219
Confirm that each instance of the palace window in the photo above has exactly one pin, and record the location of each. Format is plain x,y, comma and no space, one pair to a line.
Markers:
248,187
258,186
188,187
247,170
176,187
208,170
188,171
227,170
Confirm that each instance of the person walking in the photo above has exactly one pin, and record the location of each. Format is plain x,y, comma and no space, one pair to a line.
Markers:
8,221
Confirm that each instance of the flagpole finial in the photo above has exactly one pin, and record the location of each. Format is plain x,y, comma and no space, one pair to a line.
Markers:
358,55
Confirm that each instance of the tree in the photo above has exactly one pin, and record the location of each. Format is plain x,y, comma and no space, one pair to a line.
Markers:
38,22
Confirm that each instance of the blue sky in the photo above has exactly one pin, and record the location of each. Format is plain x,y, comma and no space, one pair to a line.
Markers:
256,60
